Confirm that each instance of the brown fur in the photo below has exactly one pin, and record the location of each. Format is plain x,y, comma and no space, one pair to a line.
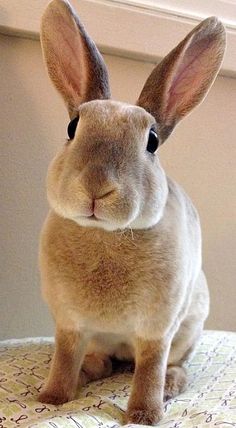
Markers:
145,404
63,380
120,251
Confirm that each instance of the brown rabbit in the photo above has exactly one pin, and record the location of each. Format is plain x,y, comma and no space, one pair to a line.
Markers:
120,251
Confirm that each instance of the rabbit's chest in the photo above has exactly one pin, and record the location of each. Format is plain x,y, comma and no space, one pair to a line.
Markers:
104,293
102,285
109,295
110,287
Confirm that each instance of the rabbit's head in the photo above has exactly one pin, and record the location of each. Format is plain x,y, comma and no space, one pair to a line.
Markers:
108,174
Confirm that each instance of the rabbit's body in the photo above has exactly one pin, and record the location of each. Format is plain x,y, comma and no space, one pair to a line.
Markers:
120,252
143,282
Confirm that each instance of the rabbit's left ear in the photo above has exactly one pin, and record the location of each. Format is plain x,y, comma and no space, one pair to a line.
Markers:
183,78
74,64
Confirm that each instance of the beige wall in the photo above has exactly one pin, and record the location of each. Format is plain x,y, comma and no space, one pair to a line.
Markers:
200,155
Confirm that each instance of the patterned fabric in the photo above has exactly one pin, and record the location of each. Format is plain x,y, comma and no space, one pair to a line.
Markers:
210,400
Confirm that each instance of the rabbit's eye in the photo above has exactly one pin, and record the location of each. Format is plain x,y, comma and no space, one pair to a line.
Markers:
72,128
153,141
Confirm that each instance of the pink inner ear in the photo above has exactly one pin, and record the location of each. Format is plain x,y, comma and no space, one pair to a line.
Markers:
66,60
189,77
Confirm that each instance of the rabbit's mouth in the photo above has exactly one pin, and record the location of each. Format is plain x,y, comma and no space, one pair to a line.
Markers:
90,217
93,217
94,221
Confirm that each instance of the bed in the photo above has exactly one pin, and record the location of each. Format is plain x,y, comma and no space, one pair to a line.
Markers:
210,399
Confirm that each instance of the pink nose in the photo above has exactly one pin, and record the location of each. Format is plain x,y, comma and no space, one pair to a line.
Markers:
95,202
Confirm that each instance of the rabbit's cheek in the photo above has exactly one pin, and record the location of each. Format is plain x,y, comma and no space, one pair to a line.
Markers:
125,208
67,200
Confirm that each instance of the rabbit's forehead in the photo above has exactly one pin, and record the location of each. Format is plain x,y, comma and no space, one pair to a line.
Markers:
114,113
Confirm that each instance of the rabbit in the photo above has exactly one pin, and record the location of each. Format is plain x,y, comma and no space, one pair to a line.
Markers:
120,251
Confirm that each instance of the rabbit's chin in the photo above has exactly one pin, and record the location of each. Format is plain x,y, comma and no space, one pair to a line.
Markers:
109,226
139,222
100,224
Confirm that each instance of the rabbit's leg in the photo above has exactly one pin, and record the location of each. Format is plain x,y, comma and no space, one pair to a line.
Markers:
146,401
64,371
95,366
176,382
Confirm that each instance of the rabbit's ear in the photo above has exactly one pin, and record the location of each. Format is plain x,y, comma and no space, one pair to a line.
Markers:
184,76
74,63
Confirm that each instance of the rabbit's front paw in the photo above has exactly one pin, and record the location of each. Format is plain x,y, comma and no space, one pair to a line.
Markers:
54,397
146,415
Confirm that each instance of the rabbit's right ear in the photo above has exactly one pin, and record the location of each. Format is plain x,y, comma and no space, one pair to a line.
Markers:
183,78
74,63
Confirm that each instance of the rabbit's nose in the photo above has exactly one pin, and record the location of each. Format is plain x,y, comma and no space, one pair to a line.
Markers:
97,182
101,193
101,197
105,194
95,202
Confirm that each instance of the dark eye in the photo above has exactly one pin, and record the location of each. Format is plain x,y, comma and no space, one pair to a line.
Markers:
153,141
72,128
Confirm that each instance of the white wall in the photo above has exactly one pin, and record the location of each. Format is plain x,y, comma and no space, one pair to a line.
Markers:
200,155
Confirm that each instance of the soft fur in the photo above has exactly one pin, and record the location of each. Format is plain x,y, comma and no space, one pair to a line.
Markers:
120,251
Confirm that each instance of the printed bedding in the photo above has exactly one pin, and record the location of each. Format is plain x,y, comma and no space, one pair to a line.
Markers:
210,400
